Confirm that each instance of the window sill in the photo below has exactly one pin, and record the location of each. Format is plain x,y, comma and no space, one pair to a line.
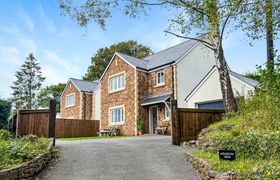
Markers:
167,119
159,85
116,124
115,91
70,106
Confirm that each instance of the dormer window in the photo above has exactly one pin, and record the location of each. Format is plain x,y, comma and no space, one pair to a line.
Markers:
160,78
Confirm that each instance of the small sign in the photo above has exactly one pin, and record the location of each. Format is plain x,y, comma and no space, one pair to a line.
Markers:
227,154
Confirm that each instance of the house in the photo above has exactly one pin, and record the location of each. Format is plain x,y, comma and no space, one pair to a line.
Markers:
80,100
132,87
207,94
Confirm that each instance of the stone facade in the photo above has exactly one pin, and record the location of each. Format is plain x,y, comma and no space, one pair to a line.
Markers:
147,87
125,98
74,111
153,89
27,169
83,108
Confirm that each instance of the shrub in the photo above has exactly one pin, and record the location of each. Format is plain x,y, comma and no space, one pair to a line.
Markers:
15,151
140,123
5,135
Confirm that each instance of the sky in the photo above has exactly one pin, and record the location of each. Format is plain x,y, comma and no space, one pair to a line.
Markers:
63,49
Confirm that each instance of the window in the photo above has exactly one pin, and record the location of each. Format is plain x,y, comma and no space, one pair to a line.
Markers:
70,100
167,112
117,83
117,116
160,78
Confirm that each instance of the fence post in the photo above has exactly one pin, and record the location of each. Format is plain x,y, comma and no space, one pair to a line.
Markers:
175,124
52,118
17,123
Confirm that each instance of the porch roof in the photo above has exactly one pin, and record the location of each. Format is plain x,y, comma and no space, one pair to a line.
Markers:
155,99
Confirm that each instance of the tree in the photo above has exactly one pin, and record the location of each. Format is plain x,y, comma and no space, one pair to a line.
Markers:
253,75
261,20
205,16
5,110
103,56
28,81
50,92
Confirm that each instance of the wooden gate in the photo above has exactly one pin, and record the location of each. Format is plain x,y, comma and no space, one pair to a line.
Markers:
187,123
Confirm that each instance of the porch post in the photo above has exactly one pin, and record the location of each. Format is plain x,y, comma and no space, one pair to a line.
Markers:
175,130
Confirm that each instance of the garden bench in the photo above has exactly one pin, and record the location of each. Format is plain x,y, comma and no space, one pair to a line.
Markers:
162,129
104,132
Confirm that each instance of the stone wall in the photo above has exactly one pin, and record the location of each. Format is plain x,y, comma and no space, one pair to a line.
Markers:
27,169
202,168
74,111
124,97
153,89
142,94
87,106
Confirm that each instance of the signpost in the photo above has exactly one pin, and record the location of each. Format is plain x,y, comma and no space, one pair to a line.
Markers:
227,155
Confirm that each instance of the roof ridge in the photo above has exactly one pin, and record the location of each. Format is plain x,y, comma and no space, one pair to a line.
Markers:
84,80
169,48
132,56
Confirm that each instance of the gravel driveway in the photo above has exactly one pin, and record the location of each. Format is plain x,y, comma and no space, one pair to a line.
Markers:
143,158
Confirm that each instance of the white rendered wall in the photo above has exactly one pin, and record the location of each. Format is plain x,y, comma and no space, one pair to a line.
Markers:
97,104
210,90
191,70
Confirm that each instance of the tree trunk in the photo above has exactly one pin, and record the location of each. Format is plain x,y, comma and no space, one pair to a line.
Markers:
225,82
269,36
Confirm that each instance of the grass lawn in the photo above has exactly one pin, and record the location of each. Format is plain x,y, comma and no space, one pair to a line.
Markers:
93,137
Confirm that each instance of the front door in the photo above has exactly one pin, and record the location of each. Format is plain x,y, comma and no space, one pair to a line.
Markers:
153,119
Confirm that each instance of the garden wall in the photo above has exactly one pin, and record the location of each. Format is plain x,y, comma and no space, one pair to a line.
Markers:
29,168
202,168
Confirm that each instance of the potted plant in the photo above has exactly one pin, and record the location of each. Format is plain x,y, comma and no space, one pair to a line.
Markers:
140,125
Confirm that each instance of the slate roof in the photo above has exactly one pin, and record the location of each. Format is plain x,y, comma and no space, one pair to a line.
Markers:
247,80
85,86
170,55
140,63
167,56
155,99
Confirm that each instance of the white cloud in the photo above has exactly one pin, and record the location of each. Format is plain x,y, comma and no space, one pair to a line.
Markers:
10,55
54,57
47,21
28,44
52,76
27,19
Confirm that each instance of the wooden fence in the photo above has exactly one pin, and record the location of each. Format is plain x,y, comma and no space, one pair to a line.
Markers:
37,122
187,123
33,122
76,128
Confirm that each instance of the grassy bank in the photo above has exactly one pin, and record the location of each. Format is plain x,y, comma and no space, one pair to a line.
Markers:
253,132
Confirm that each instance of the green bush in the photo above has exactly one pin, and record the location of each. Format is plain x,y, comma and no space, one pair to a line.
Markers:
140,123
15,151
5,135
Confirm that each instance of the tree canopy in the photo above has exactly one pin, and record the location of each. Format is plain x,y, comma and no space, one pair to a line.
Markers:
48,93
5,110
103,56
27,84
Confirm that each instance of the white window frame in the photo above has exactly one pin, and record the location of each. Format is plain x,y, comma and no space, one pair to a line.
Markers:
115,81
112,110
157,78
167,109
66,100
